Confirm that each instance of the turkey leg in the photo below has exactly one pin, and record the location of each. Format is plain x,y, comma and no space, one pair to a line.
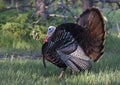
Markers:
62,73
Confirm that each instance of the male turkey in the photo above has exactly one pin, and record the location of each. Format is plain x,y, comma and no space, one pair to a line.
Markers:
74,45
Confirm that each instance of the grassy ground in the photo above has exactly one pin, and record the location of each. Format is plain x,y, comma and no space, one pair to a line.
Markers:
32,72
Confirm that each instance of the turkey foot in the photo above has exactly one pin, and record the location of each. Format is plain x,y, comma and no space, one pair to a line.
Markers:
62,73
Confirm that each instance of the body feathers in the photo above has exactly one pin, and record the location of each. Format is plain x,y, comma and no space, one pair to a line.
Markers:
73,45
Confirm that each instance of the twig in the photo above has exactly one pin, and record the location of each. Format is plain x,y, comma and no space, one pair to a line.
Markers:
57,15
64,10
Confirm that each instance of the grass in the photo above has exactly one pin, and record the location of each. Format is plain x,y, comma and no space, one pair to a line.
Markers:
32,72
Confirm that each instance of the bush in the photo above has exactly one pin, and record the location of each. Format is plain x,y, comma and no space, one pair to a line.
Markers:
16,32
2,5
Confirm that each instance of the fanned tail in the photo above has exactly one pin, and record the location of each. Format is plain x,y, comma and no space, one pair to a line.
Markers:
93,22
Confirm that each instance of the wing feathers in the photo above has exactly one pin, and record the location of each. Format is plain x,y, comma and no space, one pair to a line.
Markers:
75,63
80,63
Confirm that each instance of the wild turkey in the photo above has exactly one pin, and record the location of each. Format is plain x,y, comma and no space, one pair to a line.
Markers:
74,45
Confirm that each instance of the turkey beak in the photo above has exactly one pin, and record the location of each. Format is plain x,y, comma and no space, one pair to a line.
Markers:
46,39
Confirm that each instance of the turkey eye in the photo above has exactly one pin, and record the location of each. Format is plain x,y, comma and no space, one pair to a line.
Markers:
50,29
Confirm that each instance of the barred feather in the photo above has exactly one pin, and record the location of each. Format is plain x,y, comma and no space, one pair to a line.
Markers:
92,20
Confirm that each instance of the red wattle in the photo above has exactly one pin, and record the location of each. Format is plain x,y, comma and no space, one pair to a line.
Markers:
46,39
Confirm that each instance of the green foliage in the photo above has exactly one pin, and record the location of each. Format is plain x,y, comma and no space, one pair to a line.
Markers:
16,31
2,5
112,17
112,43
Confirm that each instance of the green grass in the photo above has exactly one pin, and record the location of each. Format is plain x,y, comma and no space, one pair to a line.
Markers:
32,72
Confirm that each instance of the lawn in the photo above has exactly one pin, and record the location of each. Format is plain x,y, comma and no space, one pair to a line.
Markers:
31,72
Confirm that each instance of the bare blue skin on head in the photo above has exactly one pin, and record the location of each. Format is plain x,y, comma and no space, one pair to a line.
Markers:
51,30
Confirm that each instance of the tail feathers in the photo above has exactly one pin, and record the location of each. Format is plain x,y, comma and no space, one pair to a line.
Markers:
92,20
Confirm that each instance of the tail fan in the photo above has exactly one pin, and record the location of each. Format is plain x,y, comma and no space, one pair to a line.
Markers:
93,22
